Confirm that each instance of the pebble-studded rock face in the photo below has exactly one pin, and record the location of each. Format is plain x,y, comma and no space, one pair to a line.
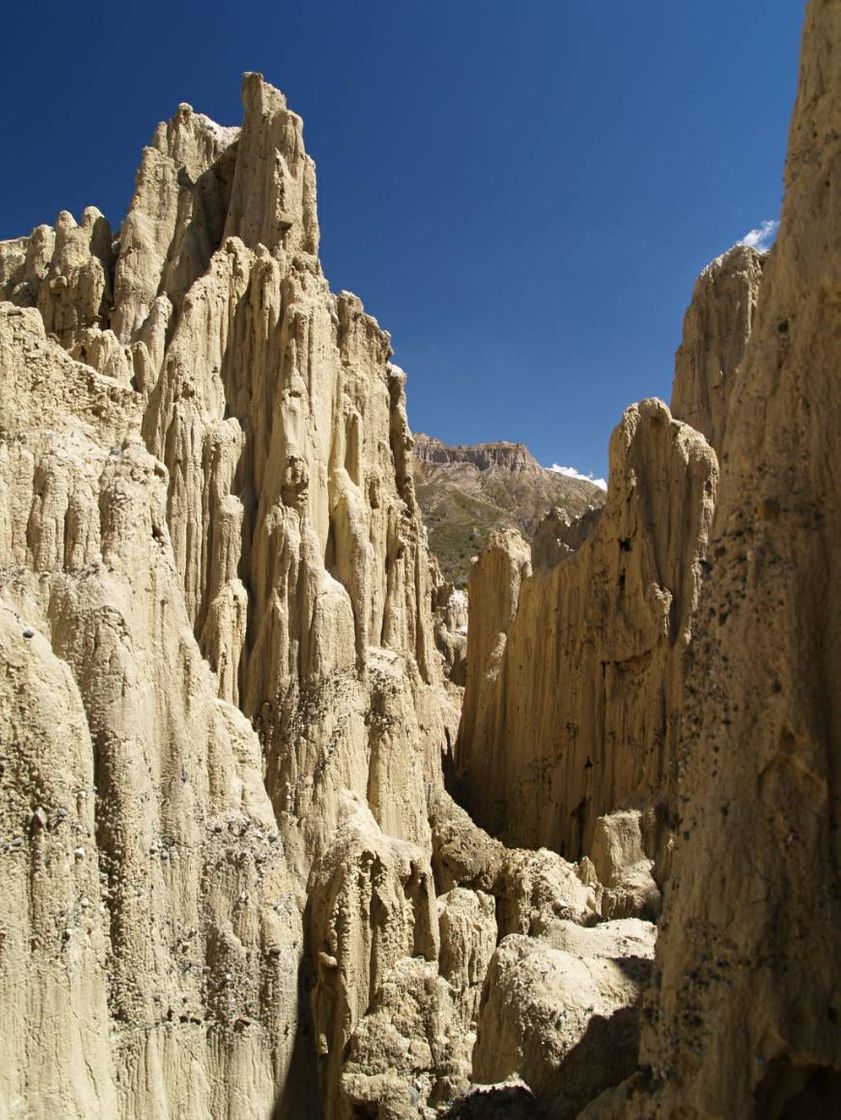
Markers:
745,1019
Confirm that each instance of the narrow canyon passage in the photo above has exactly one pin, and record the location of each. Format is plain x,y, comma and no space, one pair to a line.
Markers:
235,676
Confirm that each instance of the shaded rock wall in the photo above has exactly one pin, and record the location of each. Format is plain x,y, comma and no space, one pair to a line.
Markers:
745,1014
575,673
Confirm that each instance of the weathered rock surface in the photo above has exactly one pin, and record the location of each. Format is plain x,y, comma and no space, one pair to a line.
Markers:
716,330
233,883
371,904
562,1014
495,579
207,506
745,1020
575,674
151,929
503,453
623,869
451,614
468,933
411,1052
558,535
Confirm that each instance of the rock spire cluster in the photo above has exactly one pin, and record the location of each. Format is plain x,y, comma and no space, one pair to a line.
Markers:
236,883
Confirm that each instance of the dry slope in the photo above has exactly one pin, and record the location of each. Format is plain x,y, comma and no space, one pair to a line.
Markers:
467,491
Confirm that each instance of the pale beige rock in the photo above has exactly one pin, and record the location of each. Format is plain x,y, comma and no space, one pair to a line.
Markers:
450,606
273,200
536,888
494,588
24,264
564,1019
532,888
76,290
468,936
410,1053
222,822
175,219
206,502
558,535
54,933
573,712
716,330
160,855
371,903
624,870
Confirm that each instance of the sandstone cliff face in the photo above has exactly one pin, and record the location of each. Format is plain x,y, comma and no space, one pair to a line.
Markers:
575,673
716,330
236,887
208,514
151,928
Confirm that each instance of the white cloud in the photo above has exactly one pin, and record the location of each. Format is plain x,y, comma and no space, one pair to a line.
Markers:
763,238
571,472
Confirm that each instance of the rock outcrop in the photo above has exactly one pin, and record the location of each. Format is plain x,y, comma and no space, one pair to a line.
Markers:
716,330
562,1013
151,930
451,616
508,456
208,514
575,672
235,885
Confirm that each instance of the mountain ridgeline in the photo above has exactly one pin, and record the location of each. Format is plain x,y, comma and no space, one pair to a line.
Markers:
466,491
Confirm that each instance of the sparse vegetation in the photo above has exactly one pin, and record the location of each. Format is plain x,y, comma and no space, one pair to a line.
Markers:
463,503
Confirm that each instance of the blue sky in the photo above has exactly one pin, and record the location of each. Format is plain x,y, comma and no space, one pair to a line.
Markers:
521,193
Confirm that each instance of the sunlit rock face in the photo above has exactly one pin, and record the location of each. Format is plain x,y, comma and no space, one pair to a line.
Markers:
716,330
216,611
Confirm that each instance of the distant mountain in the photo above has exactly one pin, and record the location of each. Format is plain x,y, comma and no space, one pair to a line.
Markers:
467,490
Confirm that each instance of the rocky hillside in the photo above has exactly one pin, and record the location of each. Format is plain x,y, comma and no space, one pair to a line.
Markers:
466,491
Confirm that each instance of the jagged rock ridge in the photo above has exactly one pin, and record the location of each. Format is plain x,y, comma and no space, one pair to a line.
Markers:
509,456
716,330
205,454
223,715
741,1018
208,511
